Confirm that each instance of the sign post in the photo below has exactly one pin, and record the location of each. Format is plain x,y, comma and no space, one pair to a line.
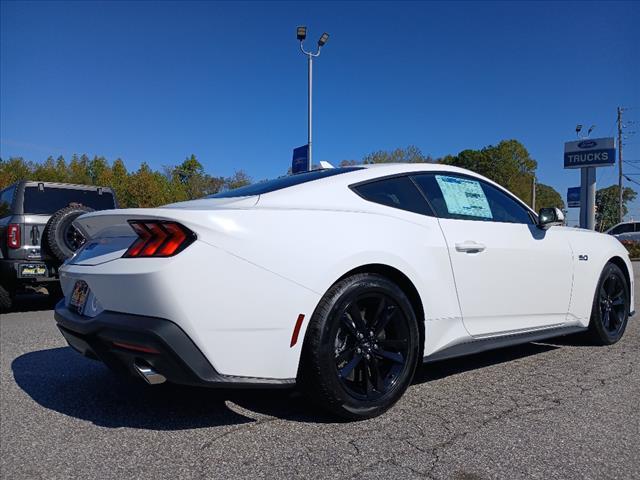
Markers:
588,154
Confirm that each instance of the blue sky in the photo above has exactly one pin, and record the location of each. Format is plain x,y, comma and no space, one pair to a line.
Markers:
157,81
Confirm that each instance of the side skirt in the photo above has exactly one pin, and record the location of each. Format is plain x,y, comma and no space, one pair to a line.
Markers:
477,346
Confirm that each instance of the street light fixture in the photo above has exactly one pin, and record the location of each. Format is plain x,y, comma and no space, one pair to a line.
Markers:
323,39
301,34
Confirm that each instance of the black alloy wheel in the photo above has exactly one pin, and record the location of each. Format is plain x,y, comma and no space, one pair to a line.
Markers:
73,239
371,345
361,347
612,303
610,310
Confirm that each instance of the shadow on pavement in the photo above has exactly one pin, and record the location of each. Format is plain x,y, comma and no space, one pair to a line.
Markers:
61,380
33,302
444,368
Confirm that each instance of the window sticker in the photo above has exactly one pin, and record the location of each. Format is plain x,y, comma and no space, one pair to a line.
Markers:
464,196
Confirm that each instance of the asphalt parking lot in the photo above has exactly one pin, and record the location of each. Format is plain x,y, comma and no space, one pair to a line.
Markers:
557,409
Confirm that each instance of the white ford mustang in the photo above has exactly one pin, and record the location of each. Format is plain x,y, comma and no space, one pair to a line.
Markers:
342,280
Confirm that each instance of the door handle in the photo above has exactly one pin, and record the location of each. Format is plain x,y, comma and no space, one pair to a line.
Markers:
469,246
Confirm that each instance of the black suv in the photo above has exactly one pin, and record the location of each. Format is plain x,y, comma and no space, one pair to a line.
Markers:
36,232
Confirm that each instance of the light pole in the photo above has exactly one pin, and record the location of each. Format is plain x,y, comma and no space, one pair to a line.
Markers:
301,33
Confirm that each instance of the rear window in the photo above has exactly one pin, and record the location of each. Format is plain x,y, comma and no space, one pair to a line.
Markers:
282,182
396,192
50,200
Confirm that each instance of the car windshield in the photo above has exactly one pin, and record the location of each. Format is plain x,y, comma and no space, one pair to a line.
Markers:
282,182
50,199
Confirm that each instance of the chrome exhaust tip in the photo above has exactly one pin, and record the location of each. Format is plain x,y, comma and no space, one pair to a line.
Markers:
149,374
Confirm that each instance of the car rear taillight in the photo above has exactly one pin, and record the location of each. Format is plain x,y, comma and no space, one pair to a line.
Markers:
158,238
13,236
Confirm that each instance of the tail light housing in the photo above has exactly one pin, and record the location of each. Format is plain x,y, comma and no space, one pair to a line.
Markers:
158,238
13,236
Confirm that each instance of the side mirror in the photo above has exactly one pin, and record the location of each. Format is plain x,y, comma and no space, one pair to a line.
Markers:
549,217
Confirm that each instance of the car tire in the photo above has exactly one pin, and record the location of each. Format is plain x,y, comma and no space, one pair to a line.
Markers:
610,310
62,238
361,347
6,299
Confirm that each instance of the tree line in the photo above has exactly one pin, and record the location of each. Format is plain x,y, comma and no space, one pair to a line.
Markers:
143,187
508,163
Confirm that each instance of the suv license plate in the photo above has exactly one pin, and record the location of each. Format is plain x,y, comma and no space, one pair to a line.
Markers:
79,297
32,270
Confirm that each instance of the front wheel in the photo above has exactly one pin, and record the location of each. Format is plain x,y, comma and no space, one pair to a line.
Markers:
610,310
361,347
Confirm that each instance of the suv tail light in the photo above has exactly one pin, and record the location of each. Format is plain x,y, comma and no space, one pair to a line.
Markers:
13,236
158,238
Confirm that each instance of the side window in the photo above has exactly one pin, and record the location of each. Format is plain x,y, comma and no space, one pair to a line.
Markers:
504,208
624,228
397,192
6,198
466,198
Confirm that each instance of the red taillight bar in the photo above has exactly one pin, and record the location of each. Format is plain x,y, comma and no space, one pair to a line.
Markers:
13,236
135,347
158,238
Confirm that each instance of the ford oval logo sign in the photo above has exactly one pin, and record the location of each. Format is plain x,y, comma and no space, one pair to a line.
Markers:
587,144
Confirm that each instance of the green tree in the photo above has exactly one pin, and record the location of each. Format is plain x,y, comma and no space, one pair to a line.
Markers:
79,170
547,197
47,171
14,170
99,170
62,170
607,205
147,188
507,163
189,180
119,183
410,154
237,180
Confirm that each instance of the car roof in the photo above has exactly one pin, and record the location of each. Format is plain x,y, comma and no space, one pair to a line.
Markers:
332,192
35,183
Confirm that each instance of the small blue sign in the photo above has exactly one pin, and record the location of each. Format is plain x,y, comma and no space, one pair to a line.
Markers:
573,197
300,162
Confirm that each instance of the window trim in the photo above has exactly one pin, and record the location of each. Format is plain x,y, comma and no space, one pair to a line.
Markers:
353,187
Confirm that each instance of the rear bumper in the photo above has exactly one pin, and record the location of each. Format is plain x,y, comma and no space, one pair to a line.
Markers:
120,340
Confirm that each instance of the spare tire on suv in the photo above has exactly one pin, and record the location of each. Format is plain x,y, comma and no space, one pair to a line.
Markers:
62,238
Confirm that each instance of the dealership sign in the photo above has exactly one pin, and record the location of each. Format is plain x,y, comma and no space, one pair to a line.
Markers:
300,161
573,197
590,152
